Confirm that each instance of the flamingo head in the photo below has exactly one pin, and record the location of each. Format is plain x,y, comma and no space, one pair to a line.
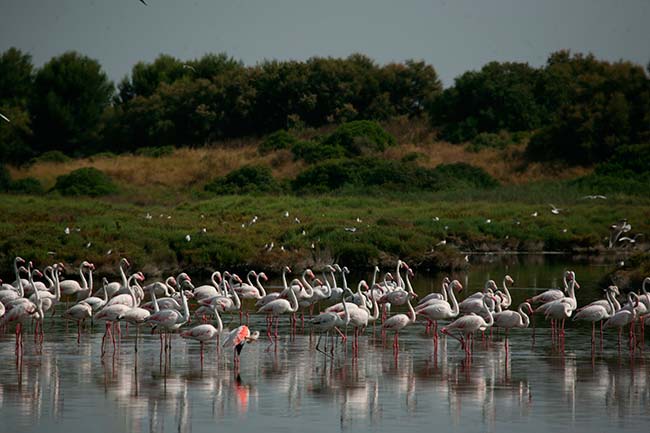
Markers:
236,278
509,279
172,281
263,276
105,281
125,262
330,268
457,285
389,277
376,268
410,272
19,260
37,273
287,269
363,284
318,282
253,337
446,280
139,276
337,267
310,274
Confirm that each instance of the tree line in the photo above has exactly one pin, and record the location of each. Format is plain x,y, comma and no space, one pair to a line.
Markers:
575,107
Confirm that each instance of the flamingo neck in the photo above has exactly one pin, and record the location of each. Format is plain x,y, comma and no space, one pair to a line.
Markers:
400,282
293,301
260,287
490,320
408,283
248,278
455,309
218,318
524,317
236,300
156,308
507,293
609,295
411,310
84,282
125,281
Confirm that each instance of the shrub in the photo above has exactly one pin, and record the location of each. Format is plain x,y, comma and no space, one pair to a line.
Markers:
5,178
312,152
28,185
248,179
460,175
278,140
52,156
490,140
85,181
155,152
360,137
374,172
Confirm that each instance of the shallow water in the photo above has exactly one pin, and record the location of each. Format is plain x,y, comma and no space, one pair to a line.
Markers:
63,387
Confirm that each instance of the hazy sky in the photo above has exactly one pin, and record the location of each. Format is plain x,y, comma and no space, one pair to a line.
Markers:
452,35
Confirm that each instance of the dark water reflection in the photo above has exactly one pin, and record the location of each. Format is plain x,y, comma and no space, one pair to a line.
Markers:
64,387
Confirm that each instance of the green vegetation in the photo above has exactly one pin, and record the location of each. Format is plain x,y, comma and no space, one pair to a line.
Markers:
51,156
85,181
155,152
248,179
278,140
392,225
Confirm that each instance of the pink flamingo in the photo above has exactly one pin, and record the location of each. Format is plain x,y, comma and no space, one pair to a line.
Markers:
596,312
468,325
79,313
328,320
398,322
171,319
237,338
204,333
437,309
277,307
509,319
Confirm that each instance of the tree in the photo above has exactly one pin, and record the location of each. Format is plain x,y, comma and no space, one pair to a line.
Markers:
16,86
71,93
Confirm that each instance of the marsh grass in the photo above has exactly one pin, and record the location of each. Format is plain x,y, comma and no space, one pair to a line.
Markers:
392,225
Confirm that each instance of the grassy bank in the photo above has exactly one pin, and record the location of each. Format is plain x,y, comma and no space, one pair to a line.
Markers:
380,227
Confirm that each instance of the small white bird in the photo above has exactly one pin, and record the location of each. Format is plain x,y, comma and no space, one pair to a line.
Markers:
304,232
88,244
282,248
204,230
190,67
148,216
188,238
564,230
436,219
169,217
359,220
534,214
67,230
350,229
109,252
243,225
441,243
143,2
488,221
286,214
594,197
313,246
554,210
202,216
51,253
5,118
296,220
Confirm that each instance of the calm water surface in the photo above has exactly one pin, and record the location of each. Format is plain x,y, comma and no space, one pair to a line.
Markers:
64,387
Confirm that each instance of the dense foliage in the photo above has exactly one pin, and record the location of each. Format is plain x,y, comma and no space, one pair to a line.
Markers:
85,181
248,179
371,172
575,108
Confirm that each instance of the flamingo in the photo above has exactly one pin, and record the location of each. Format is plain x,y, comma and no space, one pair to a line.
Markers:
560,311
162,288
97,303
474,302
509,319
114,287
328,320
442,310
205,332
18,261
72,287
79,313
209,290
597,313
277,307
238,337
398,322
274,295
468,325
620,319
608,303
136,315
506,299
438,296
171,319
127,299
551,294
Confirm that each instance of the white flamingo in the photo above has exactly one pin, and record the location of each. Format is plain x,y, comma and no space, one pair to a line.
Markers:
442,310
468,325
597,313
398,322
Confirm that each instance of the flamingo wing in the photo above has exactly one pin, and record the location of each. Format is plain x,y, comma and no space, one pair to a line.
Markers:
237,336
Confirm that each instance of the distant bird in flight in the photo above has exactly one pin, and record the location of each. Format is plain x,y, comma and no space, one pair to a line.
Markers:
190,67
144,3
554,210
5,117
